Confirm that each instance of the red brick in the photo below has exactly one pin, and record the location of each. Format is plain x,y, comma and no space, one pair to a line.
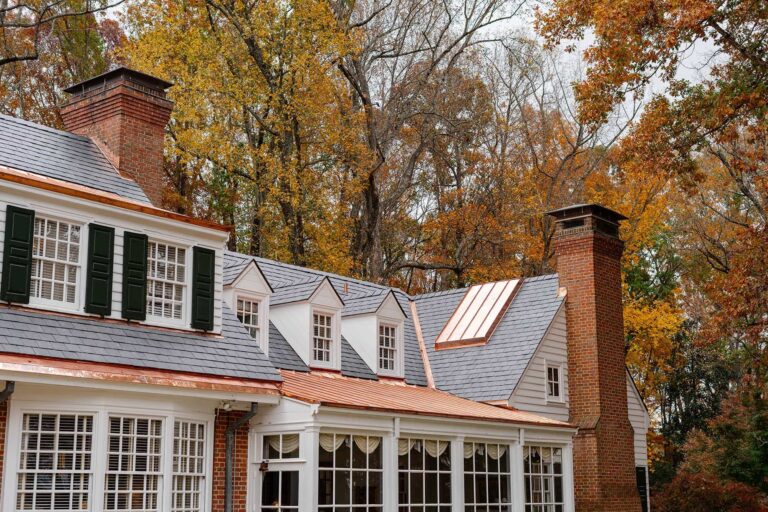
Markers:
127,120
589,266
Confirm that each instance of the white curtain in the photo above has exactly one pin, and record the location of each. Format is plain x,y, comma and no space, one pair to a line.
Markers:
404,446
435,448
330,442
496,451
469,450
366,444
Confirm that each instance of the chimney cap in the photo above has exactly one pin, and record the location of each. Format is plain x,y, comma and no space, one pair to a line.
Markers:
131,74
586,210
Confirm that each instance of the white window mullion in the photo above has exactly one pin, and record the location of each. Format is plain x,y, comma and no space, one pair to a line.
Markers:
100,462
166,478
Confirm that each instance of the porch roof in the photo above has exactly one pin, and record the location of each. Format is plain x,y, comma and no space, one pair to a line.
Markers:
335,390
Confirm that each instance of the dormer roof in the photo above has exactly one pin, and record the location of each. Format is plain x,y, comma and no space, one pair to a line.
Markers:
370,304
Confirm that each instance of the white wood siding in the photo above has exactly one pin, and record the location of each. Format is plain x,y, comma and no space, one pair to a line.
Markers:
530,393
46,203
638,417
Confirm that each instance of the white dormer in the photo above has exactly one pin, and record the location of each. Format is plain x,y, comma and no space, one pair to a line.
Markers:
375,331
248,296
309,316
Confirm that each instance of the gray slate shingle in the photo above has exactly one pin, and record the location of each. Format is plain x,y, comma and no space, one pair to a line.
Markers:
233,354
61,155
490,371
352,365
281,353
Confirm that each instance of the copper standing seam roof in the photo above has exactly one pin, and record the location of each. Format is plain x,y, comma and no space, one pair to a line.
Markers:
99,196
478,314
350,393
132,375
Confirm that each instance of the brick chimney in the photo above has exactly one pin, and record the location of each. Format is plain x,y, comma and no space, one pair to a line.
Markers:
588,251
125,112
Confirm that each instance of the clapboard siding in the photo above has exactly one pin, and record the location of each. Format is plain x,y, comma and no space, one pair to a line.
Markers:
530,393
46,203
638,417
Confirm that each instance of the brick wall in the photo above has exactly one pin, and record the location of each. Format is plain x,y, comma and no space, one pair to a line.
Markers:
128,123
240,474
589,265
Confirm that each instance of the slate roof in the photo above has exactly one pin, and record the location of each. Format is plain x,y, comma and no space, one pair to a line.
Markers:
34,148
234,354
491,371
364,304
291,282
281,353
352,365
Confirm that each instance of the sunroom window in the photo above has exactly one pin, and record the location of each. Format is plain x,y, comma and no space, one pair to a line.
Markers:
166,281
55,464
543,470
424,475
350,473
188,466
55,262
281,446
486,477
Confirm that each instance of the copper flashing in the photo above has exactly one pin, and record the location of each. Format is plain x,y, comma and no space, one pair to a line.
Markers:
99,196
132,375
422,346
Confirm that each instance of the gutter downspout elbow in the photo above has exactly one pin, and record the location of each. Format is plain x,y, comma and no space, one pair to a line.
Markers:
230,447
5,394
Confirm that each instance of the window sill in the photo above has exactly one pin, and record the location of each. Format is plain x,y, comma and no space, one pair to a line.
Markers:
556,403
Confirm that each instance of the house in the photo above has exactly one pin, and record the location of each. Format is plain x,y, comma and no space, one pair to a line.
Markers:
146,368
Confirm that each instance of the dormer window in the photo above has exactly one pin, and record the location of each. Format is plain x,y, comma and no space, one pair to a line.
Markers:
387,348
166,282
55,262
248,314
322,338
554,387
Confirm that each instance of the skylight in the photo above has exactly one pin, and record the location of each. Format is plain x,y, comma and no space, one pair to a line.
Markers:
478,314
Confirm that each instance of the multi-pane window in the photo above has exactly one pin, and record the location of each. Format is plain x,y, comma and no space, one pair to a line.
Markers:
55,261
424,475
133,464
543,470
281,446
553,382
188,466
322,337
248,314
280,491
55,465
350,473
387,347
486,477
166,278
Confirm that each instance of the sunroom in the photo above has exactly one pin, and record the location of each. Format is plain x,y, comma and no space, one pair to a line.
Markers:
336,444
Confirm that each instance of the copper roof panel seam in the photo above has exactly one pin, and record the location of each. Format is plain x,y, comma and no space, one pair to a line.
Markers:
473,308
486,309
453,319
498,308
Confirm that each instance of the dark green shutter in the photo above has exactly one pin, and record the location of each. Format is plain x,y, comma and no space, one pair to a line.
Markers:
134,276
203,269
98,285
17,255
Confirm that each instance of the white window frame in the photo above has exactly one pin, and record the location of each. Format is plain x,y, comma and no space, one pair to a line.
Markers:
186,305
257,457
367,470
510,473
541,475
550,398
335,356
440,474
263,302
398,370
63,306
100,439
